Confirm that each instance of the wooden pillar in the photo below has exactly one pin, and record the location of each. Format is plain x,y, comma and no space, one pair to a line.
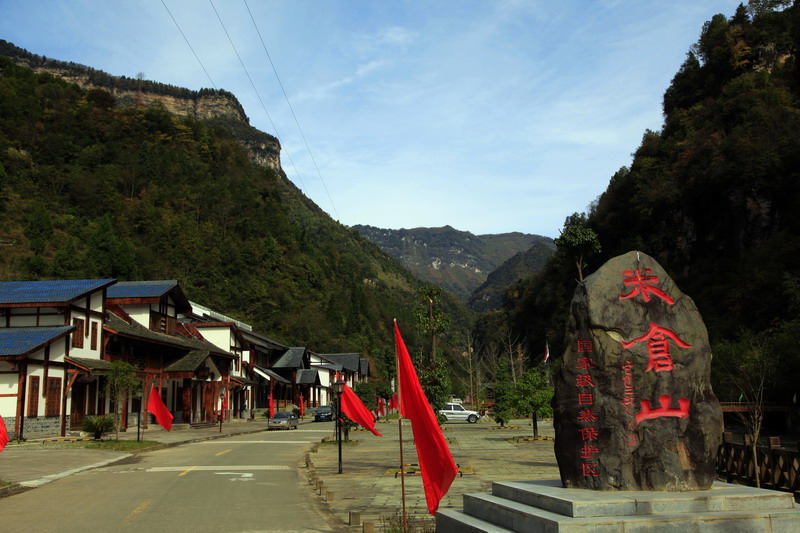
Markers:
19,424
187,400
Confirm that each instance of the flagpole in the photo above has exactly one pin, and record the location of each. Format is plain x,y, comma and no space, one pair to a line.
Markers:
400,425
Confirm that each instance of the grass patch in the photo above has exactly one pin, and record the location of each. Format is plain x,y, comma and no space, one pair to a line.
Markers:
111,445
344,443
5,483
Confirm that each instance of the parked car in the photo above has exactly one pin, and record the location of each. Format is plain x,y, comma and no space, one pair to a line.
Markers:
283,421
455,411
323,413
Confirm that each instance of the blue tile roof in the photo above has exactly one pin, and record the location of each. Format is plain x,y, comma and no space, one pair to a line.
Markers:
61,291
141,289
21,341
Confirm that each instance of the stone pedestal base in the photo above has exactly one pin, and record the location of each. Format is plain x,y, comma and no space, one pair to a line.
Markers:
544,506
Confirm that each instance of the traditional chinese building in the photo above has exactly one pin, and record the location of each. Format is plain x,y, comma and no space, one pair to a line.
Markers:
50,334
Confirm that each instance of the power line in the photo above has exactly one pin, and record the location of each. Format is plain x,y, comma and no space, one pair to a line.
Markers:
286,97
256,91
189,44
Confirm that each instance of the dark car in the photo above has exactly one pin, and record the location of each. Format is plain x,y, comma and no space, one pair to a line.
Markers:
282,421
324,412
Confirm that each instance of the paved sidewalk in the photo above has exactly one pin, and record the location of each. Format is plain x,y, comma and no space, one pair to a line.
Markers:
369,487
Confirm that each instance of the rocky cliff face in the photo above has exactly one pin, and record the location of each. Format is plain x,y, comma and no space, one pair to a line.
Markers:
457,261
218,106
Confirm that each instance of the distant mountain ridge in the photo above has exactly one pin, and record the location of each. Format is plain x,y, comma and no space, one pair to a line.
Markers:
458,261
489,295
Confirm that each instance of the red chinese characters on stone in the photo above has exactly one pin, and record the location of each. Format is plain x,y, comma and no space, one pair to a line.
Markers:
588,450
590,469
658,347
648,413
585,398
585,346
587,415
589,433
584,380
585,363
644,285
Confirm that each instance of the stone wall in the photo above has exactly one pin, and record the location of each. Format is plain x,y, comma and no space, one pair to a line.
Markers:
35,428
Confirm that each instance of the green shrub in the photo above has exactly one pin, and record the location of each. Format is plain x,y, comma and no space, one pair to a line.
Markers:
97,425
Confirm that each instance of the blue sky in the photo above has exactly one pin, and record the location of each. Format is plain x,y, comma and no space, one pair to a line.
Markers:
489,116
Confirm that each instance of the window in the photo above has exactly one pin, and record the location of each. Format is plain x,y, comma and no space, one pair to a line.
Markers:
163,323
77,335
33,397
53,405
94,335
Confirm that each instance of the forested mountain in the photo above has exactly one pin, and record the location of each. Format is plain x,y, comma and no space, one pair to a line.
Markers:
714,197
455,260
489,295
91,188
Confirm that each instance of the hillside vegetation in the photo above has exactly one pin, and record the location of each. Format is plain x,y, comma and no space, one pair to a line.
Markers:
92,189
714,197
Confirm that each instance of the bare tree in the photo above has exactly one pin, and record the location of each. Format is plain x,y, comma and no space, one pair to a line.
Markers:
751,370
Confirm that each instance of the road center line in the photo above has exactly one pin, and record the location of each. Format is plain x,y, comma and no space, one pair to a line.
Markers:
136,511
222,452
184,472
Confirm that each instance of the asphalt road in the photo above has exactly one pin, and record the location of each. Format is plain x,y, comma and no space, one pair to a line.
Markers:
244,483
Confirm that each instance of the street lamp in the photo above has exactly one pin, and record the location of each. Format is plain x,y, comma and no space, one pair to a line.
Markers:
338,389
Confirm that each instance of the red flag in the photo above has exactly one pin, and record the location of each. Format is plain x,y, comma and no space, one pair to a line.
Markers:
356,411
393,402
302,406
224,404
156,407
380,406
546,351
436,464
3,434
271,407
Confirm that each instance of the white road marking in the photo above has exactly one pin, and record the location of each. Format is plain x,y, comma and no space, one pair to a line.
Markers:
221,468
228,442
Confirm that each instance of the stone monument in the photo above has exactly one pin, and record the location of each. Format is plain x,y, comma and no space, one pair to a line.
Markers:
637,425
633,405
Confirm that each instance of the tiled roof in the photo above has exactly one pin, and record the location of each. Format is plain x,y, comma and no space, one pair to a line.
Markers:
52,292
293,358
141,289
307,377
86,362
22,341
136,330
329,366
269,374
150,290
260,340
189,362
363,366
349,361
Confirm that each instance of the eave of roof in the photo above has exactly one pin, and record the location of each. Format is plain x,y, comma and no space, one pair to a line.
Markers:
189,362
58,293
88,364
17,343
293,358
349,361
127,292
134,330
